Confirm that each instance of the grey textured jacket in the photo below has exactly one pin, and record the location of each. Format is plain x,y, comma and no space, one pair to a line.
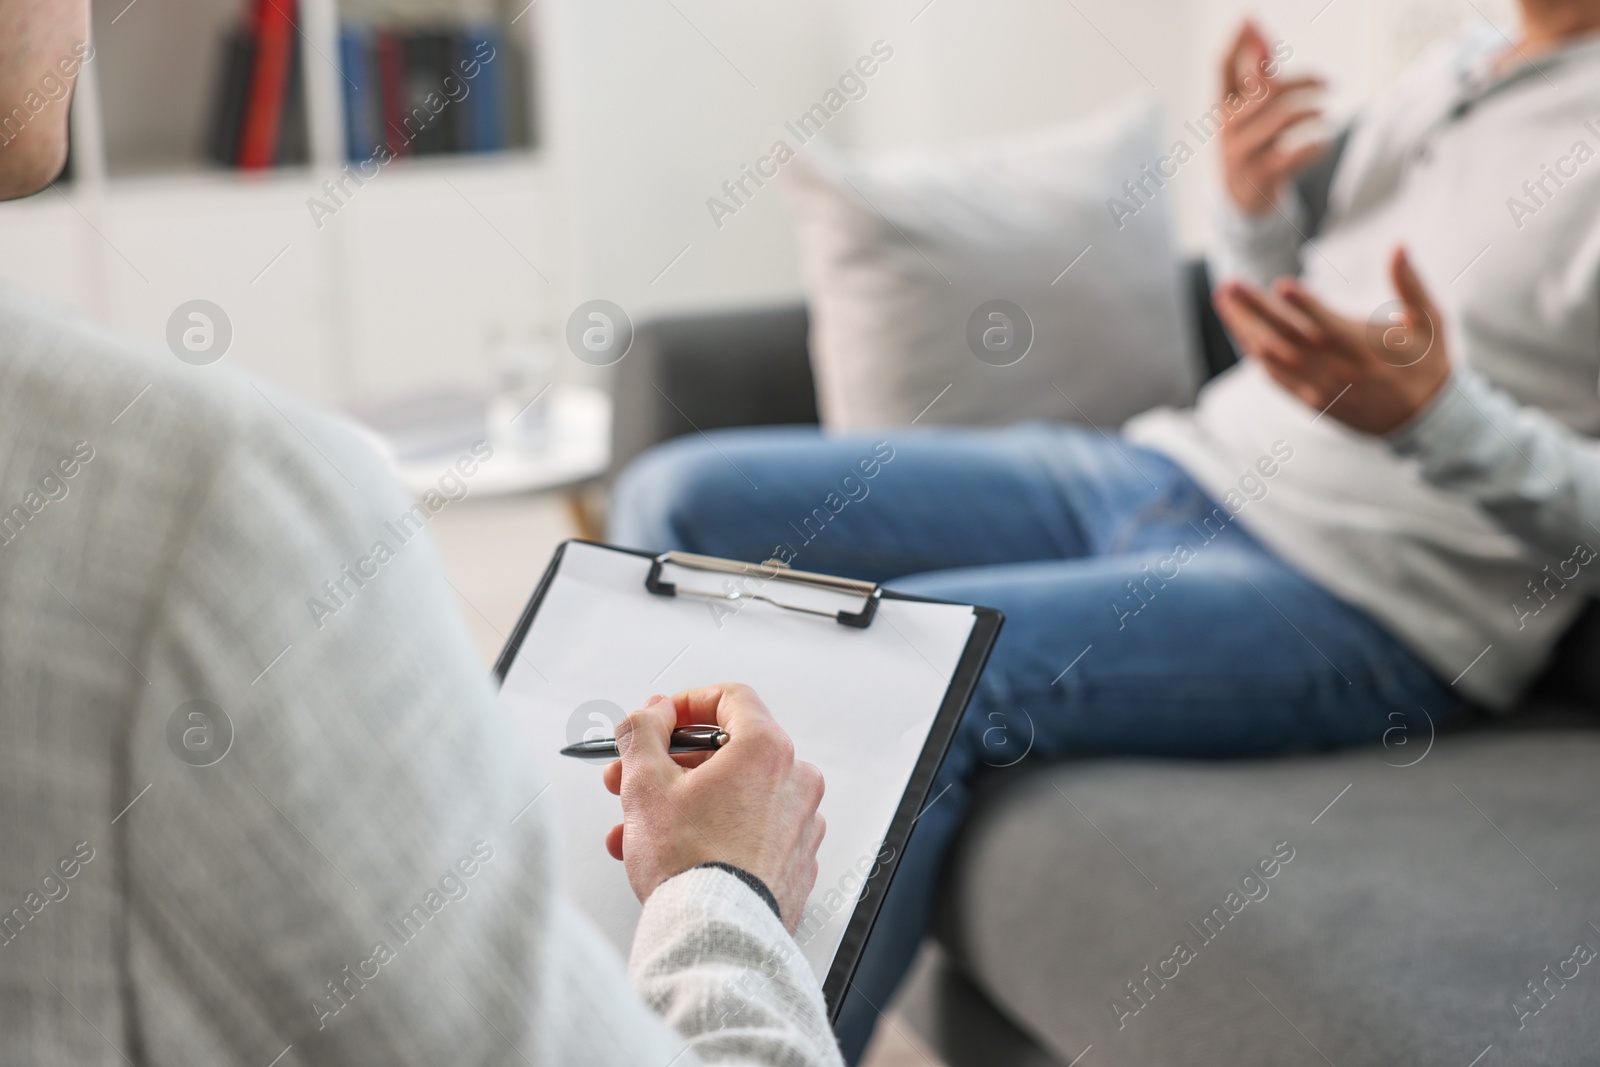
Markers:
236,831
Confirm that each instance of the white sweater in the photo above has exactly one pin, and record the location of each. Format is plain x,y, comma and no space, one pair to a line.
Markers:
366,875
1452,560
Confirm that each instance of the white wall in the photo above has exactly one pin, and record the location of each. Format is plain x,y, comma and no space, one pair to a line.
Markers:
650,119
649,106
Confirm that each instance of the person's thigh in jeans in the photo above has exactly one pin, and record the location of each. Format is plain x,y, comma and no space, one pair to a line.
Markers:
901,502
1232,654
1116,642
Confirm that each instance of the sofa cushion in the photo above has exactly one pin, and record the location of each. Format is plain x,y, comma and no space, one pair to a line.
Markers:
1407,908
1009,280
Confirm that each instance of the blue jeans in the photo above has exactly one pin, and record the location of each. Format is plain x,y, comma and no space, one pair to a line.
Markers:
1141,618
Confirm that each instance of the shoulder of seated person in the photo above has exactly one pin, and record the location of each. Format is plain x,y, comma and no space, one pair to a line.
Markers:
69,380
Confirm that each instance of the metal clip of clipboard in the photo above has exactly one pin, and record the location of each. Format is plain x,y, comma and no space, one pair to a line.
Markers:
772,570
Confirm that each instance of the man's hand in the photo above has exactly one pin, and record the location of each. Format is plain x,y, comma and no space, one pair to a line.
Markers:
1257,156
1374,376
750,803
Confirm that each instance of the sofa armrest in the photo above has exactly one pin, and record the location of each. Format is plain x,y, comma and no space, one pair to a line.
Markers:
957,1022
700,372
1215,348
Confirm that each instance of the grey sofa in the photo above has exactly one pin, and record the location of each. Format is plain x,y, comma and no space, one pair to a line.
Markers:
1436,893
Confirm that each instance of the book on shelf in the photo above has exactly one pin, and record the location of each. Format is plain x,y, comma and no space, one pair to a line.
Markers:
363,104
427,65
259,115
409,88
261,129
233,90
485,119
428,90
389,51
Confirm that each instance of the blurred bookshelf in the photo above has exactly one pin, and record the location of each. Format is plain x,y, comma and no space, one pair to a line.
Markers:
164,69
436,246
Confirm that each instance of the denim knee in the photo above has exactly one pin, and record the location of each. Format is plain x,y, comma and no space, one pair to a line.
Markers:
663,495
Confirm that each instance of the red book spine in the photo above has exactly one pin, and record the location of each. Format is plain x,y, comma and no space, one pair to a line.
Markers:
273,27
392,82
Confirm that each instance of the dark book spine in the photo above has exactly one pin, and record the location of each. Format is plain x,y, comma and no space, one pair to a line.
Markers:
459,113
233,88
426,120
294,145
440,50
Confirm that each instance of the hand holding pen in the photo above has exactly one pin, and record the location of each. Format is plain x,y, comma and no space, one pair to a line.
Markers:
684,739
749,803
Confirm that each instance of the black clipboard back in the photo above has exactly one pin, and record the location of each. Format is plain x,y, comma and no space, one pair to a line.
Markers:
963,684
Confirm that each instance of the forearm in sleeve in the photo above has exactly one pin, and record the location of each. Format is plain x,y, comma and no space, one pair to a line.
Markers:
1256,248
712,959
1539,478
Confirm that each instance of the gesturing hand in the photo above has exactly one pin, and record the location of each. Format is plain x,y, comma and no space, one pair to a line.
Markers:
1373,376
751,803
1257,158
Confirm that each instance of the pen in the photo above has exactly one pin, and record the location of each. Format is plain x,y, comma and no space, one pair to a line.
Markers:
684,739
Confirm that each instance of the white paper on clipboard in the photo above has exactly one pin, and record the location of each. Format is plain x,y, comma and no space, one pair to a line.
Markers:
859,703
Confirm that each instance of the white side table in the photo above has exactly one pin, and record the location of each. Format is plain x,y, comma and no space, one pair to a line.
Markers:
562,441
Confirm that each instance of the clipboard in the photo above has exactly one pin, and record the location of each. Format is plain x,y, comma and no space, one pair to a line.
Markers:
602,632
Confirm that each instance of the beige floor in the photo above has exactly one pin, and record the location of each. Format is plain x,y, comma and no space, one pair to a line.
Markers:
494,551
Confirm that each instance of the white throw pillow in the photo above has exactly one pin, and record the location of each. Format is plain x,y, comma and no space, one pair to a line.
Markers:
914,262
